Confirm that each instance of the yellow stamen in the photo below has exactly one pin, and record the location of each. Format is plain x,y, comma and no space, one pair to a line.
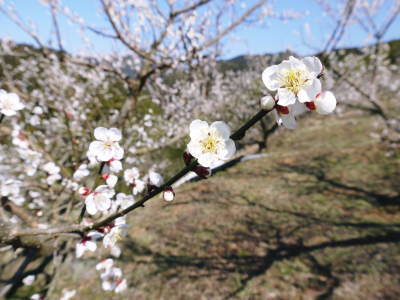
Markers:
210,143
294,80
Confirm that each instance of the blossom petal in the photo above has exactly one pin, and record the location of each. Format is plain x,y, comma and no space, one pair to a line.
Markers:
207,159
222,128
313,65
228,150
8,112
286,97
270,77
105,154
288,121
114,134
118,151
90,206
101,133
309,93
103,203
197,129
194,148
296,63
79,250
91,246
297,109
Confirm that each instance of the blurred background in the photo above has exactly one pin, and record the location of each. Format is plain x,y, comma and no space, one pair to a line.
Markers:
311,213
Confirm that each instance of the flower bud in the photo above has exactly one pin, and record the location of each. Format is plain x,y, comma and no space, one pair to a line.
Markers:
310,105
202,172
325,103
84,191
267,102
187,157
168,194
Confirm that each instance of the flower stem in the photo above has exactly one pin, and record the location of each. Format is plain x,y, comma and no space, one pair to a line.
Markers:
241,132
1,117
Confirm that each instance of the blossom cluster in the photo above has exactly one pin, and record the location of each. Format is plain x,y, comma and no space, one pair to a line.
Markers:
298,88
10,103
111,276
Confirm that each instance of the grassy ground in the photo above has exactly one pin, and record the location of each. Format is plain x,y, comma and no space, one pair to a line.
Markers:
318,218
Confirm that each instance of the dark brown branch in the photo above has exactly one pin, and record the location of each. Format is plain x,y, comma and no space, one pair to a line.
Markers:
19,211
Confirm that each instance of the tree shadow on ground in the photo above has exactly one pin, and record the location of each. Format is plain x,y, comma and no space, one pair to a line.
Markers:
283,242
270,234
318,171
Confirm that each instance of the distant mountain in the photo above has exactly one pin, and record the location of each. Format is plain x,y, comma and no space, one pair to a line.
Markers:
243,62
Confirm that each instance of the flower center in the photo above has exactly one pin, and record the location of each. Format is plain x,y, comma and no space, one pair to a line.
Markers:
294,80
210,143
108,144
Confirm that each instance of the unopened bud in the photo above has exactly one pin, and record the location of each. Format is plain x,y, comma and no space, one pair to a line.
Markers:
84,191
202,172
283,110
310,105
187,157
267,102
168,194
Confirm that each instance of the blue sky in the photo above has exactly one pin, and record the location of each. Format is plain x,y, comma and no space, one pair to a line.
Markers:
276,36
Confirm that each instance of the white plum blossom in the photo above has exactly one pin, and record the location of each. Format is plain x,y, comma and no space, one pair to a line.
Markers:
106,147
115,166
68,294
130,175
99,200
9,103
210,143
11,188
294,79
37,110
105,264
119,229
123,201
53,172
110,179
121,286
112,280
81,172
138,187
28,280
87,243
155,179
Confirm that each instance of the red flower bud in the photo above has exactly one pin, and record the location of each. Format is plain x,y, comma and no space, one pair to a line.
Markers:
310,105
202,172
283,110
